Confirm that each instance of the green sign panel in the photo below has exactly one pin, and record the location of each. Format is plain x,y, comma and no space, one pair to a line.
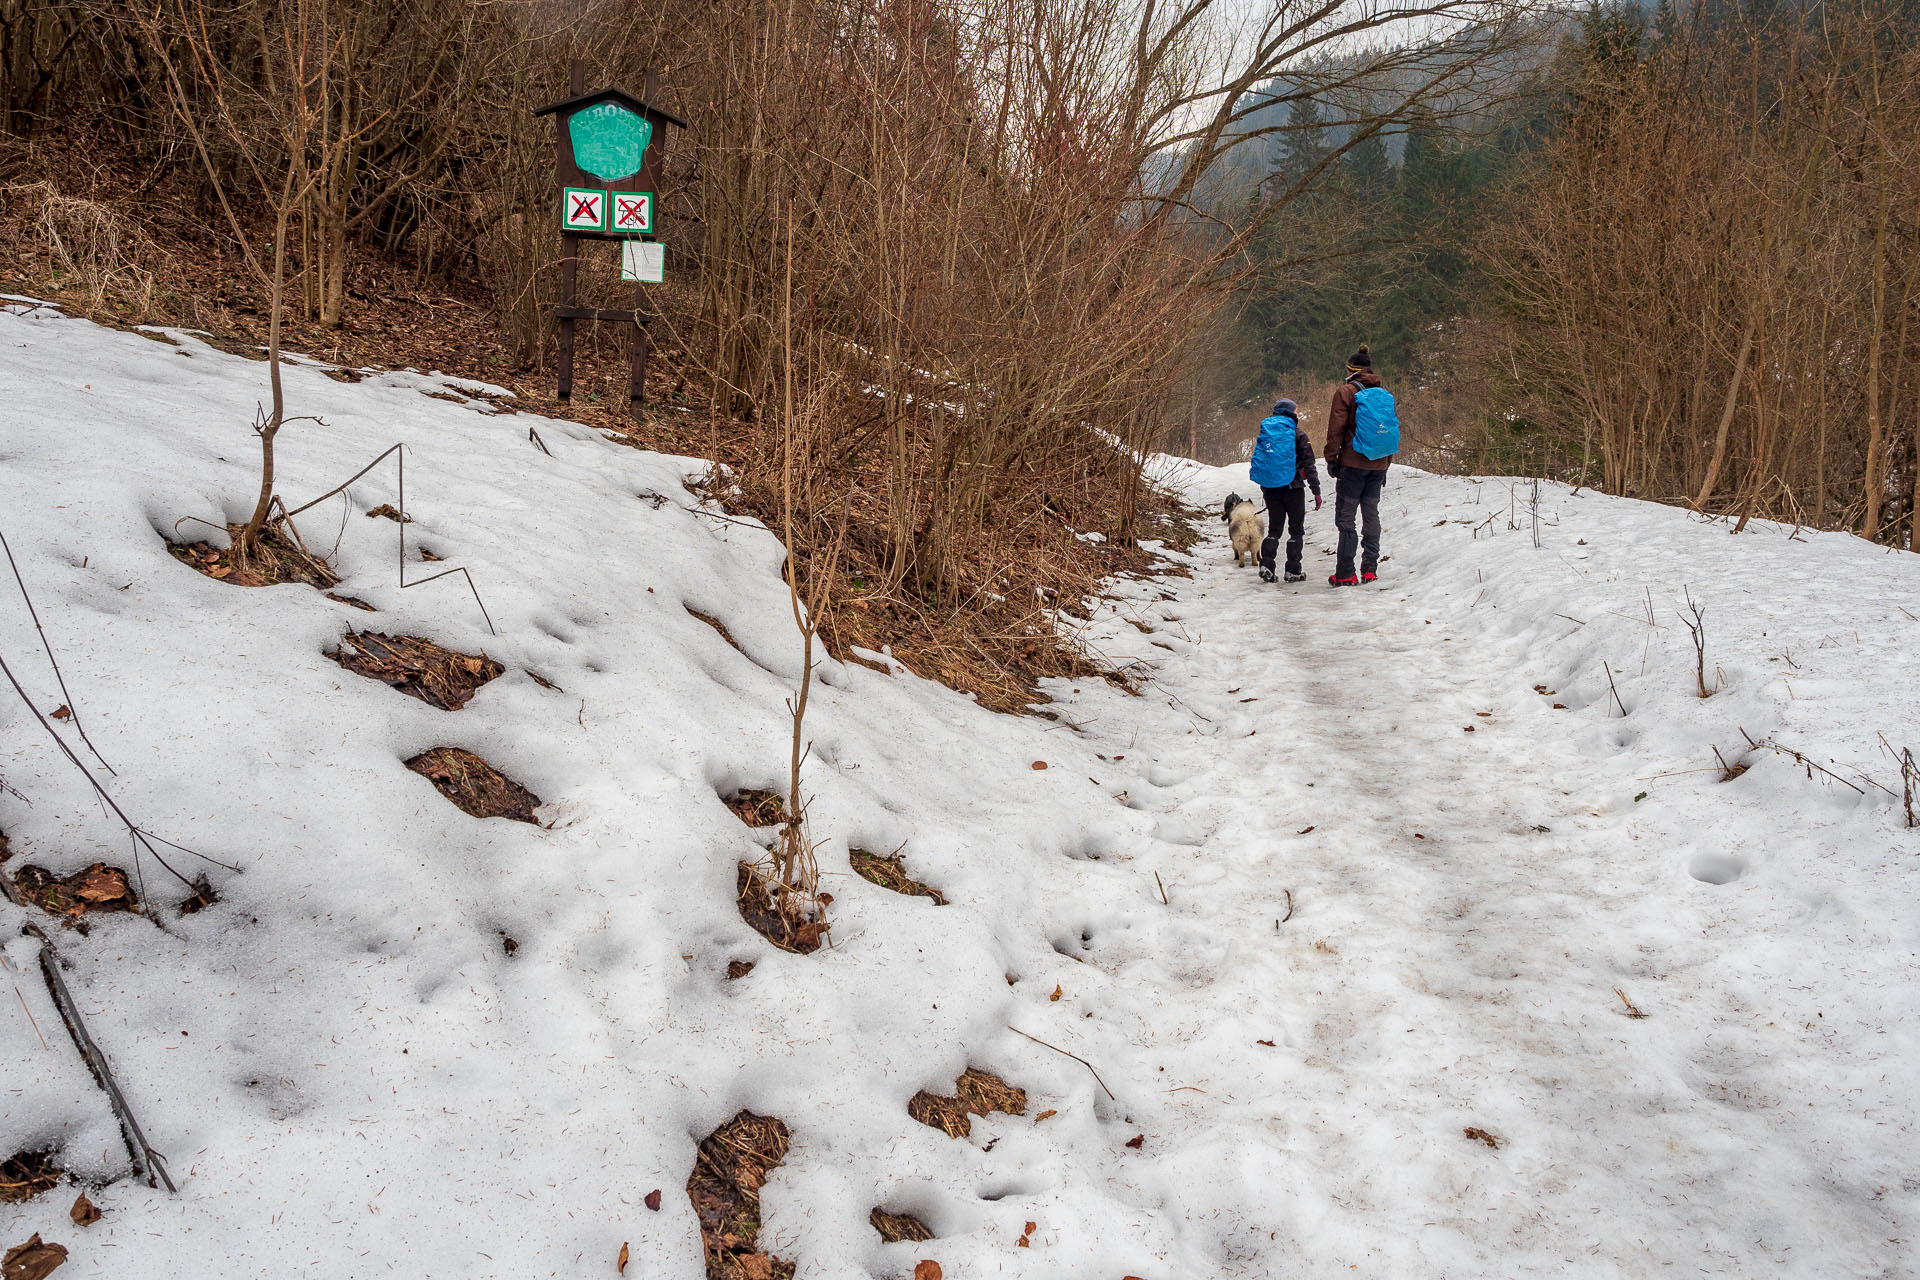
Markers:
609,141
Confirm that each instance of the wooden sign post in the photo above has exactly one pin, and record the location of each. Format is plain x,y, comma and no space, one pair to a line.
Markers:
608,151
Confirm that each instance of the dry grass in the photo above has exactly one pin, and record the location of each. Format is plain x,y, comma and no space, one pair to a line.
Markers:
891,873
438,676
755,893
474,785
975,1093
278,561
756,808
896,1227
26,1174
728,1172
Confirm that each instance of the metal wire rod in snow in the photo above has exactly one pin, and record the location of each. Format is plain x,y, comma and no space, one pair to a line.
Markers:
142,839
1076,1057
148,1161
401,463
52,661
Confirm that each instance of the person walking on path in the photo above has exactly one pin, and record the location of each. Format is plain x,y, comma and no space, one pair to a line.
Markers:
1282,459
1363,434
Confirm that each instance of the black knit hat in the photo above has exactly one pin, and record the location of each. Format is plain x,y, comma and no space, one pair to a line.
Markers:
1360,359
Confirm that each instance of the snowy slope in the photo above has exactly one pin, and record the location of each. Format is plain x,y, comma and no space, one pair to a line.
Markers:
369,1085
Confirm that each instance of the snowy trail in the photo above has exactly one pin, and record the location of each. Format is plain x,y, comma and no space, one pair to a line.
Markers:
1470,888
411,1042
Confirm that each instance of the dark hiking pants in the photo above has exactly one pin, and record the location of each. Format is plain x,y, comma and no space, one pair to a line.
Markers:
1358,491
1286,509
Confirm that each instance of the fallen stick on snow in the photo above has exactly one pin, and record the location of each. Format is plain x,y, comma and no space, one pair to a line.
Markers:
1076,1057
148,1161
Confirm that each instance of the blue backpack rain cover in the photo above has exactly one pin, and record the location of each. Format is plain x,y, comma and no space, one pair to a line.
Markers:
1376,428
1275,456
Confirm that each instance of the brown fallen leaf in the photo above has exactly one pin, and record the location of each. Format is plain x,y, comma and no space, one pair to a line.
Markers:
1469,729
84,1213
34,1260
1481,1135
1137,1141
1031,1228
653,1200
101,883
1039,764
1056,994
755,1266
1022,1242
1267,1043
927,1269
1305,830
1045,1115
62,712
622,1263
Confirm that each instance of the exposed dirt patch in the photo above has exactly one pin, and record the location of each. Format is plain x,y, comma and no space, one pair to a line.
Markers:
6,850
756,808
976,1093
98,888
756,898
278,561
25,1174
203,897
438,676
737,969
895,1227
474,785
891,873
731,1167
717,625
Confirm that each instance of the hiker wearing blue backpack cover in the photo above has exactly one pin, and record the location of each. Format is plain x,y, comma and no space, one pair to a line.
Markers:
1363,434
1282,458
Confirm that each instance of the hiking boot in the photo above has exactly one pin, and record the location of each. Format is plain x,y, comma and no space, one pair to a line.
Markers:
1266,574
1296,576
1335,580
1368,577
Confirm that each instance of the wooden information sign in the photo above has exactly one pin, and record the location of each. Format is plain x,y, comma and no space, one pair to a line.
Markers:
608,149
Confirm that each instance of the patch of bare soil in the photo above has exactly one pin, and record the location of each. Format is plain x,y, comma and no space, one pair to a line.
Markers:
278,561
756,808
758,901
731,1167
895,1227
438,676
25,1174
203,897
98,888
976,1093
891,873
474,785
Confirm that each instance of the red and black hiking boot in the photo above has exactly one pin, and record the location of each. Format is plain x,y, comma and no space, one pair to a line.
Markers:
1335,580
1368,577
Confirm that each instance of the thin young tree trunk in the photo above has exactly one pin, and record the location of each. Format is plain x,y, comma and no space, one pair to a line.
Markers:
1726,414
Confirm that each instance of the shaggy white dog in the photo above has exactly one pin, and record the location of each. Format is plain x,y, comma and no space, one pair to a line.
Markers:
1246,526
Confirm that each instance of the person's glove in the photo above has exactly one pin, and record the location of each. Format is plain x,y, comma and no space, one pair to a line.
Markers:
1316,500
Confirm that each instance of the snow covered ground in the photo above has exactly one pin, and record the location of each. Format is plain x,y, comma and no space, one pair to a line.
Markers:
1406,895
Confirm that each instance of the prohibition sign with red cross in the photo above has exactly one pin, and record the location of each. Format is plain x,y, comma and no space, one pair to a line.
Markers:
583,209
633,211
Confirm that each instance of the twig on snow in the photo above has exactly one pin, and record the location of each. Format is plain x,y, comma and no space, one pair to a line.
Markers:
1163,888
1611,689
1076,1057
51,660
1283,919
145,1158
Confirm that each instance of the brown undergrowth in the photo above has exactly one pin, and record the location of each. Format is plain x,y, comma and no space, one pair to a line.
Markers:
989,629
474,785
732,1165
891,873
975,1093
438,676
97,888
26,1174
276,561
896,1227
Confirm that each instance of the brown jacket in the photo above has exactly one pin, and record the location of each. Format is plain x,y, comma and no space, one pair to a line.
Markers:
1340,451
